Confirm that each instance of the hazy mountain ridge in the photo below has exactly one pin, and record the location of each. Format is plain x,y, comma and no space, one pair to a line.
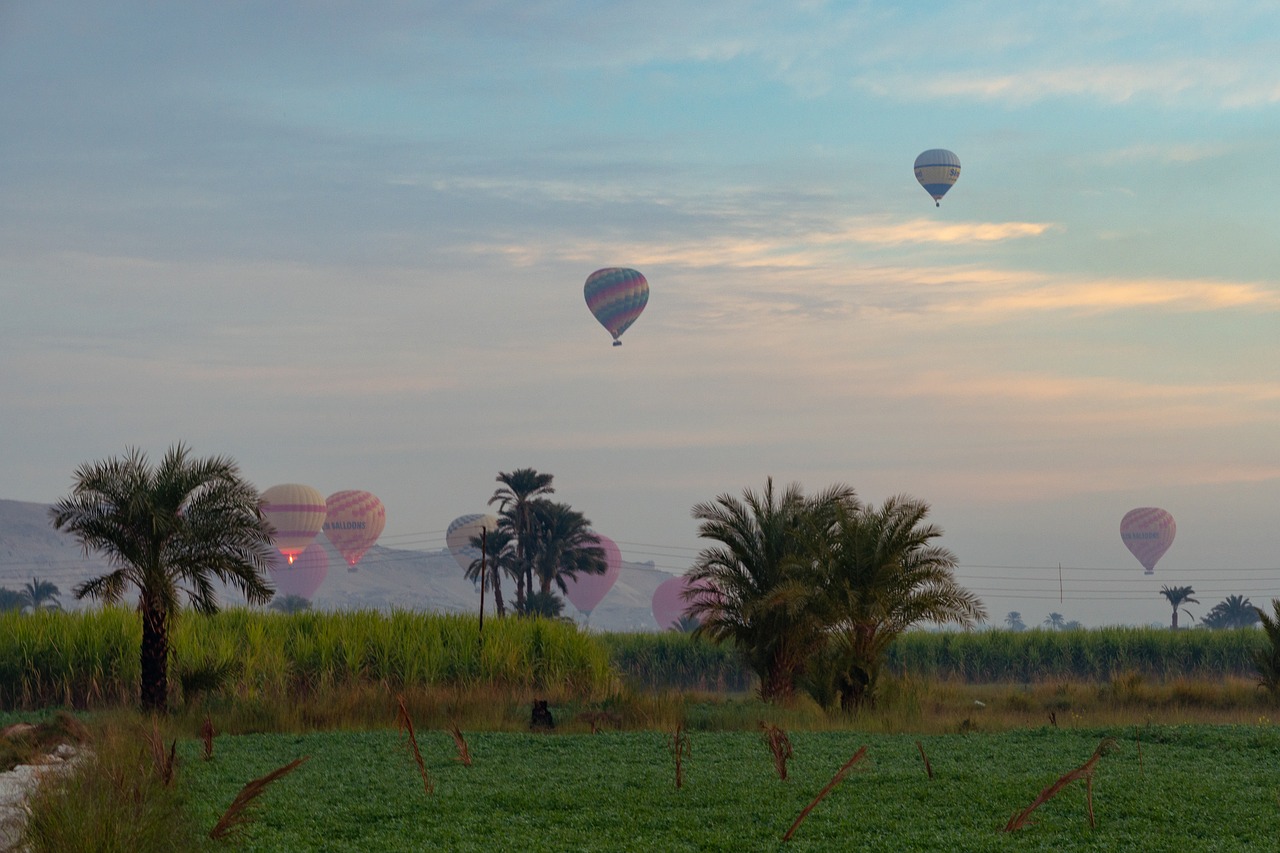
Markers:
385,578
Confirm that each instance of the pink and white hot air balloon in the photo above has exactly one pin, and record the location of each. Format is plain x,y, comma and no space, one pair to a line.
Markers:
353,521
587,591
1147,532
297,513
669,603
303,576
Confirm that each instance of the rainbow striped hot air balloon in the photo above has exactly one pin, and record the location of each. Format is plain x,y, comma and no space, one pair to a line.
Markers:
1147,532
616,296
937,171
297,513
354,519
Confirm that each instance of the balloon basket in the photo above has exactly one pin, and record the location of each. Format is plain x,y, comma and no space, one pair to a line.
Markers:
617,343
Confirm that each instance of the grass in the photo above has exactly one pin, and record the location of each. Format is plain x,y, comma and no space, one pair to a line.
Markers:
1196,787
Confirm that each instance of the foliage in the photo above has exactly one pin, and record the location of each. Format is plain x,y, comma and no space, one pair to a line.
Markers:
517,490
763,572
290,604
11,599
1267,659
676,660
1178,596
174,527
1013,621
881,574
1234,611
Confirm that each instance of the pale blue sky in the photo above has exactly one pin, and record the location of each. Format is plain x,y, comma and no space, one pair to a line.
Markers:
345,244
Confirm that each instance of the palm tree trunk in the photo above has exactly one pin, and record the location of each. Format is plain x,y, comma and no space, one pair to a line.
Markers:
155,657
498,604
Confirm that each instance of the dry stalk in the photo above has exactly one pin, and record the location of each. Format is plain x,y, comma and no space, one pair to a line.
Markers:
238,814
405,723
206,737
1084,771
464,754
678,743
780,745
163,762
835,780
928,768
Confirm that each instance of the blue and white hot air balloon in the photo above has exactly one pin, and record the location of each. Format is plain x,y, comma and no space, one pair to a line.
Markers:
937,170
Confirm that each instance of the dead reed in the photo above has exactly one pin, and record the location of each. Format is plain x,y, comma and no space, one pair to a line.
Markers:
835,780
405,723
1084,771
779,746
464,754
680,747
206,737
162,761
238,814
928,768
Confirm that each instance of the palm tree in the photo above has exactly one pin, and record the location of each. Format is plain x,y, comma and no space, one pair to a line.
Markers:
881,575
1177,596
168,529
40,594
498,557
1234,611
290,604
518,488
11,599
562,545
1013,619
1268,659
764,575
1056,621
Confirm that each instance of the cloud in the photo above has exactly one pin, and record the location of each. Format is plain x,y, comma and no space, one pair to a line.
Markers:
930,231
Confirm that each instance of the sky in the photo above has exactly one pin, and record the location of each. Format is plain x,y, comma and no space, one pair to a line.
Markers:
345,244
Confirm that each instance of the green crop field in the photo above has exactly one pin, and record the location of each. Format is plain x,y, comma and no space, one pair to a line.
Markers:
1162,788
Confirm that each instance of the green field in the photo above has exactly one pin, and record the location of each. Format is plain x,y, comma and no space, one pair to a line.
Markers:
1163,788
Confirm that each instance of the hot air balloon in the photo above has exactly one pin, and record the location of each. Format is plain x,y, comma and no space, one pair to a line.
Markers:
937,170
1147,532
669,603
297,513
587,591
460,533
303,576
616,296
353,521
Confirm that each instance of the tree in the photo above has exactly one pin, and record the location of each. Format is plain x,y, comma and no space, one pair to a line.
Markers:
1234,611
1267,659
764,574
11,599
1056,621
290,604
169,529
1013,619
1177,596
562,545
498,557
544,603
881,574
40,594
518,488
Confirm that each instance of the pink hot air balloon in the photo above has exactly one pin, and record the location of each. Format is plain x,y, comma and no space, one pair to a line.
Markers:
669,604
303,576
297,513
587,591
1147,532
353,521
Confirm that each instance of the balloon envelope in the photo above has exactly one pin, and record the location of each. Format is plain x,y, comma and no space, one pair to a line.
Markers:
587,591
303,576
616,296
937,170
669,604
1147,532
460,533
353,521
297,513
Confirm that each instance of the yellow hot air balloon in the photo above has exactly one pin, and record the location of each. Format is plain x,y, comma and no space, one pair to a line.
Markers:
297,513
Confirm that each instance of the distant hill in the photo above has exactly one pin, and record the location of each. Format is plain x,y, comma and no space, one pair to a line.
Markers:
385,577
